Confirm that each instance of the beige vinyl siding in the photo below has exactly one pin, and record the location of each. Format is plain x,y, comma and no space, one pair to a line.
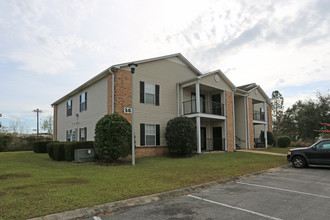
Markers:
210,81
257,130
240,119
96,108
166,74
257,96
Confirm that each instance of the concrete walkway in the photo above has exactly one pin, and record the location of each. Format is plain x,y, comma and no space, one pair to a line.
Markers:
261,152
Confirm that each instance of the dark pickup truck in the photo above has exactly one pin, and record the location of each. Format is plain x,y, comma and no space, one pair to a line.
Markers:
317,154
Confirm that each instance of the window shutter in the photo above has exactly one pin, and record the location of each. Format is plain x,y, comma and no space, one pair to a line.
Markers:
79,134
158,135
85,134
67,109
85,101
67,135
157,94
80,103
141,92
142,134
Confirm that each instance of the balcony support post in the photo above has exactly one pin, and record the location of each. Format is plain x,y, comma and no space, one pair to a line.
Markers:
266,125
198,105
181,96
198,130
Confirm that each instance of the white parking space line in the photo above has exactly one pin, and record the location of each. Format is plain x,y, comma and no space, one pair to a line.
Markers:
237,208
286,190
97,218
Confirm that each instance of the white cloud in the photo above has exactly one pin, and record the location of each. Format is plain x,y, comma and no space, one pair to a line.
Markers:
277,44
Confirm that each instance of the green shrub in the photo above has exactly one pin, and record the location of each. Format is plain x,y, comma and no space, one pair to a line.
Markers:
283,141
71,146
40,146
113,137
180,136
300,144
5,141
58,151
270,137
50,149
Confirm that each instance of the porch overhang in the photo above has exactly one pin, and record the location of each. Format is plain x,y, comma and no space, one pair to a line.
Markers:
203,115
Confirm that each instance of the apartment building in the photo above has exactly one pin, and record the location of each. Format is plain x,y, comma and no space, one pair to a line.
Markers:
226,117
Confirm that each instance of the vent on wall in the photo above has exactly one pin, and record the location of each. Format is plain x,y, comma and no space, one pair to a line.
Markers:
84,155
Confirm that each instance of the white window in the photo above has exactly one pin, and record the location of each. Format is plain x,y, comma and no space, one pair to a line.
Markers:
83,102
69,108
150,135
149,93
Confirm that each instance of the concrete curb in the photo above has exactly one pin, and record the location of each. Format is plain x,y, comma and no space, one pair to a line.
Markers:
115,206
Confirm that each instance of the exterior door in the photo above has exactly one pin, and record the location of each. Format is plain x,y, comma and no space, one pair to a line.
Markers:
203,138
216,104
217,138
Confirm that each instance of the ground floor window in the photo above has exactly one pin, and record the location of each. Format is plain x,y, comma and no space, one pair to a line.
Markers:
83,134
149,134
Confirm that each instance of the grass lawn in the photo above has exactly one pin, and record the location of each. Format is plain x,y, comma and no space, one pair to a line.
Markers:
276,149
33,185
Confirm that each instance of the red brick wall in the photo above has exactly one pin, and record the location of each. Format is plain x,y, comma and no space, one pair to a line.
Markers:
150,151
109,99
55,123
270,122
230,121
123,92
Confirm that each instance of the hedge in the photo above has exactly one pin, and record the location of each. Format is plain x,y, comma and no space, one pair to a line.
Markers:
40,146
283,141
50,149
71,146
59,152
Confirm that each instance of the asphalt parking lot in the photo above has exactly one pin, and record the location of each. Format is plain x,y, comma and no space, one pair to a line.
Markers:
288,194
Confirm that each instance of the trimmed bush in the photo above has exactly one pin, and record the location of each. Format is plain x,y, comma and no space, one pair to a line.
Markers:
180,136
283,141
113,137
50,149
270,137
58,151
71,146
5,140
40,146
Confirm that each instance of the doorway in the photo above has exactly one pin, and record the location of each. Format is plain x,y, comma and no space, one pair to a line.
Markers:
203,138
217,138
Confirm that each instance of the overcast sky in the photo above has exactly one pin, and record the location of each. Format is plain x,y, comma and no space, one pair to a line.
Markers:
48,48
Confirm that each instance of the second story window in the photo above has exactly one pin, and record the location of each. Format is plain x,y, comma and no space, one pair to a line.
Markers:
149,93
69,108
83,101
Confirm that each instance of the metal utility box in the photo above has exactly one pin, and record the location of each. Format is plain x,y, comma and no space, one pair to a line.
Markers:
84,155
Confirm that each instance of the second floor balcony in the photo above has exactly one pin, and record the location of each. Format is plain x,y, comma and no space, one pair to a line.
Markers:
259,115
207,107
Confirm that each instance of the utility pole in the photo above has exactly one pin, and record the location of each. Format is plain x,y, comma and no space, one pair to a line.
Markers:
37,111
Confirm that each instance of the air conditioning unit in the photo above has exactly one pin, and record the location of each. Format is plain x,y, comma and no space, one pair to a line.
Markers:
84,155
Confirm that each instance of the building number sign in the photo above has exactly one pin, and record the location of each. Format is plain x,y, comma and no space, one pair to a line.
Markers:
128,110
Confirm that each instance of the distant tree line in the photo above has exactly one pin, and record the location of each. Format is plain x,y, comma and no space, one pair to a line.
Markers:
302,121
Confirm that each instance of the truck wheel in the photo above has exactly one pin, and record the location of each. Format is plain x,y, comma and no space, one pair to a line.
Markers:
299,162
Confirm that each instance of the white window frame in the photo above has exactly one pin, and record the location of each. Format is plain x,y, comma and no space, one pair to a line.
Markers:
83,102
145,134
148,86
67,109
